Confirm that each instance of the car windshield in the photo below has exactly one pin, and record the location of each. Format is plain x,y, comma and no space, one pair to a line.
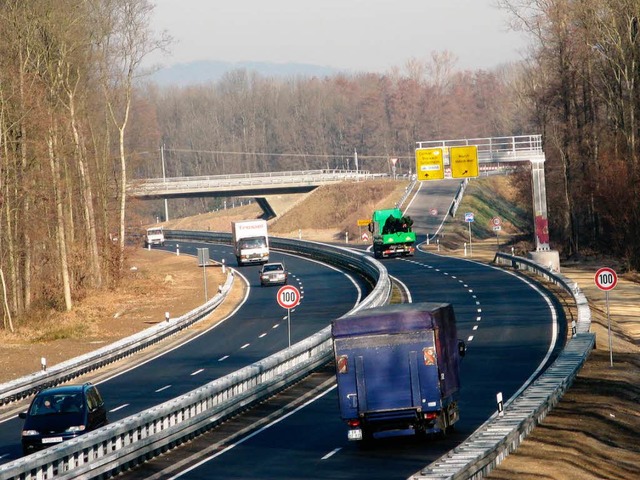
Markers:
56,403
273,268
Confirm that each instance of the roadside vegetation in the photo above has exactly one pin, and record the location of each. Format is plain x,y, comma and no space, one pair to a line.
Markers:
78,123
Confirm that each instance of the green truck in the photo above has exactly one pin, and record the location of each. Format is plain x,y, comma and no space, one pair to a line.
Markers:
392,233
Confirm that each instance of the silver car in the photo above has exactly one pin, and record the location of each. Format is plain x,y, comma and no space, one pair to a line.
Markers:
273,274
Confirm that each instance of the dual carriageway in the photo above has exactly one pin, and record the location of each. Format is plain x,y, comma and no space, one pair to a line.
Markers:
514,330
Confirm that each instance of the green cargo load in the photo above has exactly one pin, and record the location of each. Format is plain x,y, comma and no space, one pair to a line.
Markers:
392,233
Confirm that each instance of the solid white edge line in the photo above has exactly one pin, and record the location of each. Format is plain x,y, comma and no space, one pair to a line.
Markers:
404,287
253,434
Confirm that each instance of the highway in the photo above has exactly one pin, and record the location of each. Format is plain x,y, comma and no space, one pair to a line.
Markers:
258,329
509,324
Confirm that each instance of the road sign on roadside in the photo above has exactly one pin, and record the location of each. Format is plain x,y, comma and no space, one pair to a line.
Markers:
606,279
469,217
464,161
429,163
365,236
288,296
496,221
364,222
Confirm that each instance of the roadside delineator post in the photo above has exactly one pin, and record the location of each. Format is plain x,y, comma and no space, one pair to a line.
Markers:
43,363
500,404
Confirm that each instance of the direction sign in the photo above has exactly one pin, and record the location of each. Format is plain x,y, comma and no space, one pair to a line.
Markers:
606,279
363,222
429,163
464,161
365,236
288,296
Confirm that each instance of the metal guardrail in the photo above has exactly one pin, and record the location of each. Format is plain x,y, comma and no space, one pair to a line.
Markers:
497,437
26,386
125,443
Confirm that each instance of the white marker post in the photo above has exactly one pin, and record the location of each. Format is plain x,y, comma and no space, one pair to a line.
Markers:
606,279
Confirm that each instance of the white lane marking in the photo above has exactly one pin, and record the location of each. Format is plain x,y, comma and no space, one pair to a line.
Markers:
262,335
331,453
479,310
276,325
222,359
405,288
471,290
163,388
478,319
253,434
119,408
197,372
477,302
244,346
470,338
475,327
453,276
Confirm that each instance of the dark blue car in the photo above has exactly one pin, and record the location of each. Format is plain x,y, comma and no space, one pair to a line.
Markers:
60,413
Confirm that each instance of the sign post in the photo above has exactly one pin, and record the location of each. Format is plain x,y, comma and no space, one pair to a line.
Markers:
469,218
496,222
606,279
288,297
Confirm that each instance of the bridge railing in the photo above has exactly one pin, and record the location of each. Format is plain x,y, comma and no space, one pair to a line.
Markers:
502,434
244,179
495,149
125,443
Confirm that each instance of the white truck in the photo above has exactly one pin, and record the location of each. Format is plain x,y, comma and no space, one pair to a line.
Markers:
250,241
154,236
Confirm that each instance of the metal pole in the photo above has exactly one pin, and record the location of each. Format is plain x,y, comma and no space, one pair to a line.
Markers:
289,325
204,273
606,294
470,246
164,180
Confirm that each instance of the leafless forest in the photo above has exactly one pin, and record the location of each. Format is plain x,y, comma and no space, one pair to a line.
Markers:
78,120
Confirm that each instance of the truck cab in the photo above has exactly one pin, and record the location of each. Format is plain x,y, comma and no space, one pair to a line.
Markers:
154,236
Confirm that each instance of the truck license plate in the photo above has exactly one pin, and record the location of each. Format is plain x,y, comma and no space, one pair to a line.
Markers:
355,434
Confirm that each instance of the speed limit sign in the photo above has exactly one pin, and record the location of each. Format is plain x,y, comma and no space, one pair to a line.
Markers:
606,279
288,296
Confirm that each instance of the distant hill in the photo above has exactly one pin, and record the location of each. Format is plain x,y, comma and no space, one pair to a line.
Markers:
207,71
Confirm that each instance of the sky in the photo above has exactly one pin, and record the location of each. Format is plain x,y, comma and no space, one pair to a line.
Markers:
351,35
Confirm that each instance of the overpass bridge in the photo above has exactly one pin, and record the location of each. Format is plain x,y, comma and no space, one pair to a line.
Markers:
257,185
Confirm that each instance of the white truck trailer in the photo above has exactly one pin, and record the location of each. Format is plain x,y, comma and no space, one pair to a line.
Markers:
250,241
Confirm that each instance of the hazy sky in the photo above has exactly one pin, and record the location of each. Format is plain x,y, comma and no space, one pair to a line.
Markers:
364,35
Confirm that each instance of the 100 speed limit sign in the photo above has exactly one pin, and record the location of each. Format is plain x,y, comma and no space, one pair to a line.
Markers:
606,279
288,296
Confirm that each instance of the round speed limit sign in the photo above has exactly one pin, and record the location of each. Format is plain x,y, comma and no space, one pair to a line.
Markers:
288,296
606,279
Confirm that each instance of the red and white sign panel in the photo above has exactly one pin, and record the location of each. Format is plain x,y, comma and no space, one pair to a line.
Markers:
288,296
496,221
606,279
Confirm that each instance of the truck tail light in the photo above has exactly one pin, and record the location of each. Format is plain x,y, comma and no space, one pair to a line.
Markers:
343,364
355,423
430,415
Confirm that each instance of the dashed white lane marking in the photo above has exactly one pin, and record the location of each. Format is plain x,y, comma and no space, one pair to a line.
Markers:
470,338
222,359
262,335
479,310
276,325
331,453
244,346
118,408
475,327
163,388
197,372
478,319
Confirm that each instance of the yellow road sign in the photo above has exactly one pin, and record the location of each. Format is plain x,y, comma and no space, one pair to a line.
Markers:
429,163
364,222
464,161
